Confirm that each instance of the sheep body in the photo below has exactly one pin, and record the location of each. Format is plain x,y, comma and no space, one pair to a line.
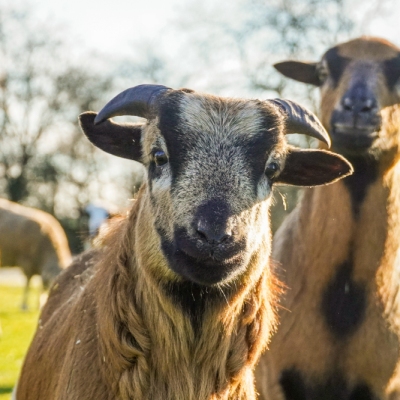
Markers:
339,249
33,240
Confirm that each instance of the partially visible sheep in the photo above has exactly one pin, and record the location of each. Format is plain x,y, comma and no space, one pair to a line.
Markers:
339,336
179,301
33,240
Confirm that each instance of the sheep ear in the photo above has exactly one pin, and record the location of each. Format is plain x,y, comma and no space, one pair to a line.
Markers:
299,71
313,168
121,140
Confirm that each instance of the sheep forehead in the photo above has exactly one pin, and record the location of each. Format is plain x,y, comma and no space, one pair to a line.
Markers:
207,127
368,49
367,70
219,132
209,121
364,58
216,146
210,115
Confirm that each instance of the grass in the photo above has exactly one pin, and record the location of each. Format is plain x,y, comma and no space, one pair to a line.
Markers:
17,330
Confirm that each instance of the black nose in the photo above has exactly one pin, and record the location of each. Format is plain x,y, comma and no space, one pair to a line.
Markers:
211,222
356,120
358,100
211,232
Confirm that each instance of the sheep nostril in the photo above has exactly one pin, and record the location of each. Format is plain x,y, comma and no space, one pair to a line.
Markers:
347,104
359,99
201,234
212,234
368,106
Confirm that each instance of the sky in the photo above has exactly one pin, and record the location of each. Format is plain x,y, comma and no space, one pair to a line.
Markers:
115,29
126,30
382,22
111,26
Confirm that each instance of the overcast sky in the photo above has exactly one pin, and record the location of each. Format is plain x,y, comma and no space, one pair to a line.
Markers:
112,25
109,25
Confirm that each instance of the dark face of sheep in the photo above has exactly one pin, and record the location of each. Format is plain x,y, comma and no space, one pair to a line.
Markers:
211,164
358,82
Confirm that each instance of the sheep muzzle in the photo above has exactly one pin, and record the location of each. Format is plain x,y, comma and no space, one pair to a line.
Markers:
356,120
211,250
205,262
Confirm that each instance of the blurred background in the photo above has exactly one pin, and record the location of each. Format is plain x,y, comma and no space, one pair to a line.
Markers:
60,58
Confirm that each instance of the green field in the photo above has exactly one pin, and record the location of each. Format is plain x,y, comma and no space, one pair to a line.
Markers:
17,330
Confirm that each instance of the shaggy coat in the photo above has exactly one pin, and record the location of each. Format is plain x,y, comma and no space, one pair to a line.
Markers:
173,307
32,240
339,249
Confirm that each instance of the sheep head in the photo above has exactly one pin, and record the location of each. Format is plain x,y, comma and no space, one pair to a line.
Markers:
211,164
359,84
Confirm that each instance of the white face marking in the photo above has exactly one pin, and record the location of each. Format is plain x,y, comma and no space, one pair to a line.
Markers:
263,189
233,119
163,182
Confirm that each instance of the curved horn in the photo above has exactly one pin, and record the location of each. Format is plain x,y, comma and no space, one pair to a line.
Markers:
300,120
137,100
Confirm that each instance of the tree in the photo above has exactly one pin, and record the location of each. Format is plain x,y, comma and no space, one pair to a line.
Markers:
45,160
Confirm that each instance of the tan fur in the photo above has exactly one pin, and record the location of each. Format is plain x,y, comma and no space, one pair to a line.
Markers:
111,331
127,353
316,238
368,49
32,240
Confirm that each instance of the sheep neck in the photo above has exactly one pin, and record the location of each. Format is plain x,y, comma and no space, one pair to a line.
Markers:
156,349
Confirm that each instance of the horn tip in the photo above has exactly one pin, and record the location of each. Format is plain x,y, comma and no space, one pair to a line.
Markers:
327,140
99,119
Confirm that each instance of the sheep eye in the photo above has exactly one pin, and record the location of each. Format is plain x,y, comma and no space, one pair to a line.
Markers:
160,158
272,170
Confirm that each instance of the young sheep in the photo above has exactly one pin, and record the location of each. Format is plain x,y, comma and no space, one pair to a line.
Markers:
180,301
34,241
340,248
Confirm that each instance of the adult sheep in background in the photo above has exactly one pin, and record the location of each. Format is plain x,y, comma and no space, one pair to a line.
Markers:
180,300
34,241
339,249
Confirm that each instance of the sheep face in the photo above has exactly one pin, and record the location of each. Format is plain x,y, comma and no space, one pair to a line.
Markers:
358,81
207,161
211,164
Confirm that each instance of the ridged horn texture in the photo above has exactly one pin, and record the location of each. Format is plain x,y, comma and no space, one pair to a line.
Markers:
300,120
138,101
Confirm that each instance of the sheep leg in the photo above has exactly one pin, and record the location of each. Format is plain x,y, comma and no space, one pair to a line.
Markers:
24,305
